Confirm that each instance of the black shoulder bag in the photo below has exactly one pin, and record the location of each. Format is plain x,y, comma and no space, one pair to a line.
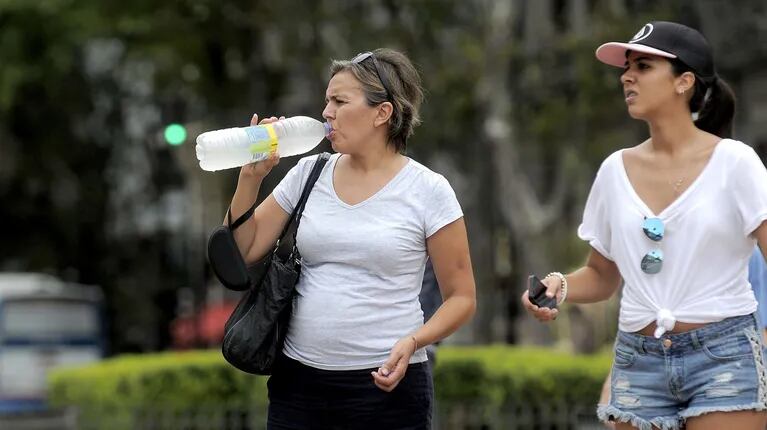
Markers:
255,332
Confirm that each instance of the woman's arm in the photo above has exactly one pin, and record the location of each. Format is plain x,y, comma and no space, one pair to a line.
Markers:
761,238
258,234
268,221
448,249
594,282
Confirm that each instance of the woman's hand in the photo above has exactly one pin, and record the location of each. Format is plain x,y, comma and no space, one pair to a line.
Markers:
553,285
260,169
390,373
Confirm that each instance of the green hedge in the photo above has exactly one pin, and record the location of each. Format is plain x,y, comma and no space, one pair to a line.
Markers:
502,374
112,391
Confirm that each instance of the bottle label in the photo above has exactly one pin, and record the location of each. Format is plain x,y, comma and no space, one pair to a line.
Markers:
262,138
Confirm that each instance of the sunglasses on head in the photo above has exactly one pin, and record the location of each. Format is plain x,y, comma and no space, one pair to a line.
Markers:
654,229
381,77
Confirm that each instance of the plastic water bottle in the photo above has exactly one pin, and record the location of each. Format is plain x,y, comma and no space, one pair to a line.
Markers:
238,146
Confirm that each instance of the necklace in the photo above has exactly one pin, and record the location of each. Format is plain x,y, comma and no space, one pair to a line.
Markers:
676,184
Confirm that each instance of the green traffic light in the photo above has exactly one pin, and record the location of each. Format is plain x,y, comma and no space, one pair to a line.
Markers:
175,134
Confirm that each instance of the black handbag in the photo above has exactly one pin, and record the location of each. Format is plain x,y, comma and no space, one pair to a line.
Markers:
255,332
224,256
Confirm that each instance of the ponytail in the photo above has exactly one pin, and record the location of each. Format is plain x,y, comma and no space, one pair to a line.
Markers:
718,109
714,102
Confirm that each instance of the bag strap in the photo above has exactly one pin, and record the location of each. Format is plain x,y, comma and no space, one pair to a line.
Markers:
244,217
313,176
295,217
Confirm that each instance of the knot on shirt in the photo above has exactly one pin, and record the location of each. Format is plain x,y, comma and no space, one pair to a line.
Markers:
664,321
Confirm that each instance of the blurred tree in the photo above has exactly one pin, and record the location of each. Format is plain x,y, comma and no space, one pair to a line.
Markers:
518,117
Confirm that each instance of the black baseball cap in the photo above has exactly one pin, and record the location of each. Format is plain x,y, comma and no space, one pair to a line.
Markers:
665,39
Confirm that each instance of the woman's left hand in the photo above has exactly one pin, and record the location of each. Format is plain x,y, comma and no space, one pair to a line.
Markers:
390,373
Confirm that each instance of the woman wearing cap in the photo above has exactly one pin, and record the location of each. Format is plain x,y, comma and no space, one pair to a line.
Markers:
676,219
355,356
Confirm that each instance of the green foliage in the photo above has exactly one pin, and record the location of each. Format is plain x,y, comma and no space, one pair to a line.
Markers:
111,392
500,374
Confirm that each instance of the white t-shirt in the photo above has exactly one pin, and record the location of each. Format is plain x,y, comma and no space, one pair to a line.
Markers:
706,246
362,264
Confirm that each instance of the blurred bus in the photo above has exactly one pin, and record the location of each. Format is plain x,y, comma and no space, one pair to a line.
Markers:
44,322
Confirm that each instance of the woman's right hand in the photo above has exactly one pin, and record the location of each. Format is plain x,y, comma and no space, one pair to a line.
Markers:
260,169
544,314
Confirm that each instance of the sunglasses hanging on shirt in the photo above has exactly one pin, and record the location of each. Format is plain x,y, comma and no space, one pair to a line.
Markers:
654,229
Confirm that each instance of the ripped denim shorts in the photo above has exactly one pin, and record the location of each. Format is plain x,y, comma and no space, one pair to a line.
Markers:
663,382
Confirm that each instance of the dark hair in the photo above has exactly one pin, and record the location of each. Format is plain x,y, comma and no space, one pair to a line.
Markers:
405,85
715,112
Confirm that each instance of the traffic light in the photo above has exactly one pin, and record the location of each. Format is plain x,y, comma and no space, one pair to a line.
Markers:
175,134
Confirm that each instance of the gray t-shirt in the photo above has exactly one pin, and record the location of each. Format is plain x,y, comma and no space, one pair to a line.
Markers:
362,264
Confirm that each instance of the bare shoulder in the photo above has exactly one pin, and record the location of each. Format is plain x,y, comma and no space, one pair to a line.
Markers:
706,144
639,153
709,141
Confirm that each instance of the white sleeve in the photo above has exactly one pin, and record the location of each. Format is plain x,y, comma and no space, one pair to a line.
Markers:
750,190
443,207
288,191
595,227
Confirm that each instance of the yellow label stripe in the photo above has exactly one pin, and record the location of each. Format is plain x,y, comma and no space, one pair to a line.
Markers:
273,140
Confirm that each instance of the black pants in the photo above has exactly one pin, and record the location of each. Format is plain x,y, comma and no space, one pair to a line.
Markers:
302,397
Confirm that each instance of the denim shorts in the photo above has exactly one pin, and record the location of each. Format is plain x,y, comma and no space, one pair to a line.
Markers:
663,382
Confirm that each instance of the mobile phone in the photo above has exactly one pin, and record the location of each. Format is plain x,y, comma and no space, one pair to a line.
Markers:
536,292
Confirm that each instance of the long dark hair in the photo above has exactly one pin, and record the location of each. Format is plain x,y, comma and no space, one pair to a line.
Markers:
715,112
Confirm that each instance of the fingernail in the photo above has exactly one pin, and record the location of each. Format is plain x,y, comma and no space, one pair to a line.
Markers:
549,295
384,371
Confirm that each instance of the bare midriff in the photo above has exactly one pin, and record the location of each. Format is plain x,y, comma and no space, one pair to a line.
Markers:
679,327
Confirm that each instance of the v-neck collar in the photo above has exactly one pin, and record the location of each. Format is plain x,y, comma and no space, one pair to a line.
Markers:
396,178
668,210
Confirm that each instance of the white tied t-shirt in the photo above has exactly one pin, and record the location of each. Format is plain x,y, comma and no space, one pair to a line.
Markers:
706,244
362,264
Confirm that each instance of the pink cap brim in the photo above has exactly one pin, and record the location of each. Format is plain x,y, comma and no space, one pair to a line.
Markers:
614,53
